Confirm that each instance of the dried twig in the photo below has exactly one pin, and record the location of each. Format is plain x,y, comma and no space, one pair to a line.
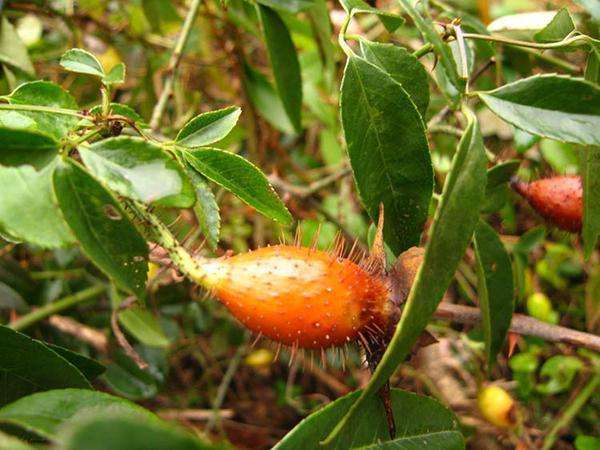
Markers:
522,324
121,339
89,335
195,414
312,188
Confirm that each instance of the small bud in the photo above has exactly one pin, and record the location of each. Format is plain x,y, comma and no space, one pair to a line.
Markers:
539,306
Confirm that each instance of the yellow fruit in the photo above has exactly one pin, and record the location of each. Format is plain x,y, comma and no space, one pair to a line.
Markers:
259,358
497,406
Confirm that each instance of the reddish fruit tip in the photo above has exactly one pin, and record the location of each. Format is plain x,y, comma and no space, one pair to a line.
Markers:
558,199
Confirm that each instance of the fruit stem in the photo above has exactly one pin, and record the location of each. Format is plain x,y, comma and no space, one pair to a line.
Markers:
155,230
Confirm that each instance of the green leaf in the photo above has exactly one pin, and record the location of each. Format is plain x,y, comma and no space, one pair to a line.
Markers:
45,93
587,443
440,440
560,26
162,16
590,172
240,177
291,6
102,227
27,366
524,140
12,443
89,367
26,147
209,127
25,186
125,378
496,289
144,326
592,66
403,67
426,416
430,34
141,323
116,75
559,372
12,50
81,61
45,412
11,299
496,191
390,21
206,209
501,173
265,100
561,156
100,432
453,225
553,106
284,61
388,151
140,170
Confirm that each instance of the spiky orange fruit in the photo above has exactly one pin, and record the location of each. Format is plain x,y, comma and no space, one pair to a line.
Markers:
558,199
299,296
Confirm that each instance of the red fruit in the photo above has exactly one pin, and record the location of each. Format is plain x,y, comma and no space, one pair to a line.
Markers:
558,199
299,296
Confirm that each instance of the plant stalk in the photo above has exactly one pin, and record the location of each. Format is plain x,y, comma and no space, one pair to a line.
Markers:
571,411
174,65
544,46
52,308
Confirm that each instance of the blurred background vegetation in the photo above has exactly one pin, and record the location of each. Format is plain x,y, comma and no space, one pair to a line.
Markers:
200,359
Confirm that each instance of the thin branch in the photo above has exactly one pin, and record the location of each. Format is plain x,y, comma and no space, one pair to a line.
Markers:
504,40
174,64
121,339
52,308
225,382
312,188
522,324
571,411
195,414
89,335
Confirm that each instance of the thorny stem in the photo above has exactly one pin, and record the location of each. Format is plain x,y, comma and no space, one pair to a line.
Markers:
156,231
174,64
571,411
60,305
427,48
